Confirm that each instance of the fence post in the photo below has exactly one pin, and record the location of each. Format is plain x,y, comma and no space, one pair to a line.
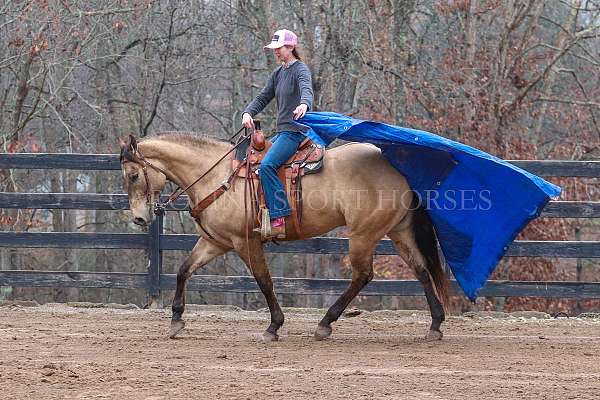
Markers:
579,270
155,262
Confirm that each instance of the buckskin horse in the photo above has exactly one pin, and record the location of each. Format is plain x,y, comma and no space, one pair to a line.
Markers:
357,188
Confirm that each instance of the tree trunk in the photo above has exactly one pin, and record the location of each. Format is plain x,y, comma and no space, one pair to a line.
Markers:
402,10
548,80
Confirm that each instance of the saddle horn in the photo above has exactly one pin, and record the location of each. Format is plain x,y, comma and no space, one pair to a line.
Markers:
258,140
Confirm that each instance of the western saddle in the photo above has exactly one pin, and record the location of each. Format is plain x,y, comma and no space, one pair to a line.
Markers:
308,159
250,151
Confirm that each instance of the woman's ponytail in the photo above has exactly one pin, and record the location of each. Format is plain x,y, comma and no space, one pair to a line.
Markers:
295,54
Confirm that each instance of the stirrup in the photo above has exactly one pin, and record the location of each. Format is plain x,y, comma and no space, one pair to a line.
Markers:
265,230
265,224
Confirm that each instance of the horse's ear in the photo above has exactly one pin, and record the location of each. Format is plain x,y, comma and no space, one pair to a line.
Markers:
128,147
132,142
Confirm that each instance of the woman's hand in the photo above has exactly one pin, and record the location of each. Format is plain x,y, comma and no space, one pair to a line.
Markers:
300,111
247,121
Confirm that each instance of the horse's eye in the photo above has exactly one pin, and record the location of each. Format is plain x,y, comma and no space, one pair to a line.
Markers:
134,177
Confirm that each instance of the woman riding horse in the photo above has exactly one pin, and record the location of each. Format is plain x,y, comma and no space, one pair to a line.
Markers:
359,189
291,85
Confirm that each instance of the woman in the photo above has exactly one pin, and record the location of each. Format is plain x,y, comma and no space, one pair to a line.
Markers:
291,85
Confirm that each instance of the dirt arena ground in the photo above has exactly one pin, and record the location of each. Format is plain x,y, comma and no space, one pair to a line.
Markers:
56,351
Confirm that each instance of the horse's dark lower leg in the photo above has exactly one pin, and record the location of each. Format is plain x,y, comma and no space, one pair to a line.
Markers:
258,266
277,318
407,248
183,274
324,329
178,306
435,306
202,253
361,258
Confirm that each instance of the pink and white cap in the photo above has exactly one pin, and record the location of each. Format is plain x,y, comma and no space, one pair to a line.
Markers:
281,38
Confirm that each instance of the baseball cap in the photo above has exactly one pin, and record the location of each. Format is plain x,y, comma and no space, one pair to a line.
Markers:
281,38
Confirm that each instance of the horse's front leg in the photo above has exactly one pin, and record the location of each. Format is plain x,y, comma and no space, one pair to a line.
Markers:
253,255
202,253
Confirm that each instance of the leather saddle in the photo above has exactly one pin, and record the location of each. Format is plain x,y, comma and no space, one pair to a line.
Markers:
308,159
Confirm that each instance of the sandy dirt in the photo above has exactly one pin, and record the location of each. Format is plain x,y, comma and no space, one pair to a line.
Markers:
56,351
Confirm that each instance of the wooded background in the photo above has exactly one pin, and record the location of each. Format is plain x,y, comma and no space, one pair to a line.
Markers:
516,78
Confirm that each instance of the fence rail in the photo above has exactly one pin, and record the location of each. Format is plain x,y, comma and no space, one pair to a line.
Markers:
105,162
243,284
156,241
92,201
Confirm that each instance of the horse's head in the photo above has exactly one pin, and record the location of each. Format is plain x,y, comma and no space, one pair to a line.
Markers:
143,182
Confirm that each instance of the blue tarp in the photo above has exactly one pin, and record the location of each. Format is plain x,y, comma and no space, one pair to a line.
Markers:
477,202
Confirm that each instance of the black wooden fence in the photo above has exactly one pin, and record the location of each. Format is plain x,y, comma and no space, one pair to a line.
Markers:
155,241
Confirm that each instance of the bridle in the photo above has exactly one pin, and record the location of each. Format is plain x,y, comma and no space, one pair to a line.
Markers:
159,207
141,160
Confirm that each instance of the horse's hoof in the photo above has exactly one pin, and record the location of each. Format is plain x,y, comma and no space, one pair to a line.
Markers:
269,337
433,336
176,327
322,332
266,337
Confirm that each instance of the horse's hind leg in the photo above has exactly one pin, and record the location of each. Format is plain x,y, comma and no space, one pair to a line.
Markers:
361,259
406,244
202,253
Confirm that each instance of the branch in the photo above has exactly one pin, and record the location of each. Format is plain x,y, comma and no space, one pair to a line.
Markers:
137,42
558,25
189,81
22,124
108,12
7,62
568,4
164,76
545,72
592,60
582,88
216,117
568,101
588,33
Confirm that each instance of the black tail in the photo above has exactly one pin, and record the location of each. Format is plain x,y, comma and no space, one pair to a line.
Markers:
427,243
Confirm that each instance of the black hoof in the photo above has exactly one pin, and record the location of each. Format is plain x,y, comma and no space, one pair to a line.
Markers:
322,332
433,335
176,327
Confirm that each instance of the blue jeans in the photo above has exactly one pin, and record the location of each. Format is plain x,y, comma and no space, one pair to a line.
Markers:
284,146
